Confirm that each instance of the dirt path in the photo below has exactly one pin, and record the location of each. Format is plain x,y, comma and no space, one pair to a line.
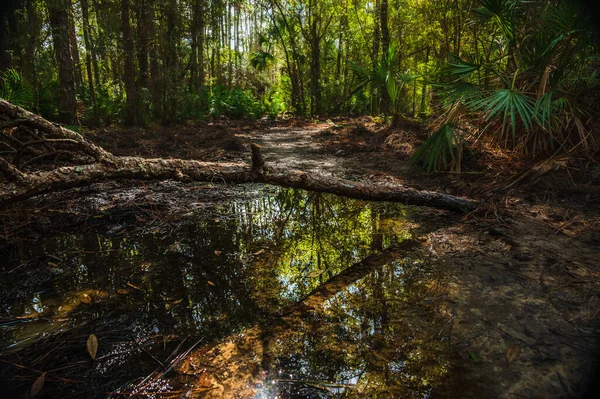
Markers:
297,148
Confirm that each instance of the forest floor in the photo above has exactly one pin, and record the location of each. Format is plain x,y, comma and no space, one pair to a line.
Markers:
525,302
522,299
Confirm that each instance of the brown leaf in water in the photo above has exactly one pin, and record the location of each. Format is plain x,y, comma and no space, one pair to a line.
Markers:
513,353
218,253
122,291
134,287
177,302
210,283
38,384
92,346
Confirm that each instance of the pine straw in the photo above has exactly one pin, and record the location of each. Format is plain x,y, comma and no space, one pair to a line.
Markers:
69,369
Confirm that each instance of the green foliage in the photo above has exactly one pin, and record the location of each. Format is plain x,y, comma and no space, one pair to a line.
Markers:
532,97
261,60
15,90
387,81
220,101
234,103
442,150
510,106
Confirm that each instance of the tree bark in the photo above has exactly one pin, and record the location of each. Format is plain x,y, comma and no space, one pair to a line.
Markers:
74,48
58,13
385,30
131,111
21,185
89,54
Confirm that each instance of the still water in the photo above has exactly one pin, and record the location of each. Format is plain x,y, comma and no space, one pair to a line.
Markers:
206,304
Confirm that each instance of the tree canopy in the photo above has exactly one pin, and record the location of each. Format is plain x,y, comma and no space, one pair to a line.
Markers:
525,73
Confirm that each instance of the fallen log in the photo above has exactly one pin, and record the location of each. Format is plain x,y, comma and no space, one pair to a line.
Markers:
20,184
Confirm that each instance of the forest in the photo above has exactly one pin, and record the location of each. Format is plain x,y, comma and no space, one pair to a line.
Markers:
299,199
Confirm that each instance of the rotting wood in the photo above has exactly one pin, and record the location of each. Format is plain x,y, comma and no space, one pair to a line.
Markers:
107,166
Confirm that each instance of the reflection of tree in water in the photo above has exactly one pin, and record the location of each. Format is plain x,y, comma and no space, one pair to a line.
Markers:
242,262
377,335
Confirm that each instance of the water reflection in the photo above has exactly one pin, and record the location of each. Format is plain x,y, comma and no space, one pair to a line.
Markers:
224,276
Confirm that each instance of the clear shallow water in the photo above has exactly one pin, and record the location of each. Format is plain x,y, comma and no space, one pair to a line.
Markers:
149,289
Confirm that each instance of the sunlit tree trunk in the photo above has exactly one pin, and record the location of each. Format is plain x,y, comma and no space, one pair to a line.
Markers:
74,48
385,30
89,55
375,95
131,109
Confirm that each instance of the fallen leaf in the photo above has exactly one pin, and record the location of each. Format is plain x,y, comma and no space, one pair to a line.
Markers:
513,353
134,287
52,264
122,291
177,302
210,283
218,253
92,346
28,316
315,273
259,252
38,384
86,299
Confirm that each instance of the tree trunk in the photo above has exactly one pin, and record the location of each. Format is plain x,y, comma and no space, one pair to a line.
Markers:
23,185
74,48
34,26
385,30
375,95
57,11
144,21
88,56
131,109
315,73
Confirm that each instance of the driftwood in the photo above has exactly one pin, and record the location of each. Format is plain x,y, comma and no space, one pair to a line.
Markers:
22,182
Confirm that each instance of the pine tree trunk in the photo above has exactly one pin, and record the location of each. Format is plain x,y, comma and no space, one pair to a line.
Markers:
131,111
88,56
58,13
74,48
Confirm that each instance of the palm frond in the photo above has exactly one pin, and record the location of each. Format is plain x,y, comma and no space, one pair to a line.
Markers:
506,105
14,89
442,150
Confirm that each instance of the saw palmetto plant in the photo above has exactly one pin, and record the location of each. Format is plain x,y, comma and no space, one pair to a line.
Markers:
529,89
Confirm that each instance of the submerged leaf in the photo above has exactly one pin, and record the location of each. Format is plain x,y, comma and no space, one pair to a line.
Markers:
513,353
38,384
92,346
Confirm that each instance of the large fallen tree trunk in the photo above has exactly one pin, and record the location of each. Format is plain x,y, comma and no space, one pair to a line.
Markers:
21,184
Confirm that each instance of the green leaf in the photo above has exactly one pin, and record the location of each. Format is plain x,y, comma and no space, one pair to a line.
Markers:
440,151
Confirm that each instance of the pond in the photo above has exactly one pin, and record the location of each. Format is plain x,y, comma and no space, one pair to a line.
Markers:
235,297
